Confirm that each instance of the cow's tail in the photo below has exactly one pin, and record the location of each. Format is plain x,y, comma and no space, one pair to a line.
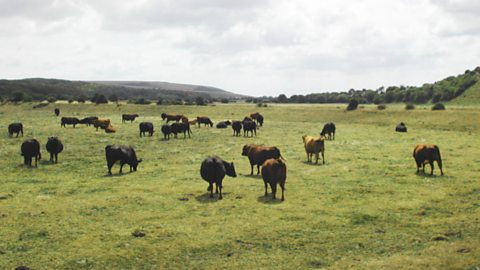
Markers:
438,156
39,155
282,158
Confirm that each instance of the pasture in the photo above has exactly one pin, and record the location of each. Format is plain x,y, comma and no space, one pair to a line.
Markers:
366,208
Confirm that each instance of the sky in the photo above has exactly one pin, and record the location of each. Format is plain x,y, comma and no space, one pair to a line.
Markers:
253,47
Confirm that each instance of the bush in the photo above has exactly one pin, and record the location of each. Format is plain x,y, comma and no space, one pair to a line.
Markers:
352,105
224,100
382,107
142,101
51,99
409,106
99,99
438,107
18,96
70,101
200,101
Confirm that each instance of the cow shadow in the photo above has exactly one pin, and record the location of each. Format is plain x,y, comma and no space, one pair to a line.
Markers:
269,200
46,162
254,176
205,198
313,163
115,175
427,175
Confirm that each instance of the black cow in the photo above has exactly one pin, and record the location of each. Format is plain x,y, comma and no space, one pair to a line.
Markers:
181,128
122,153
213,170
54,147
401,127
88,120
57,111
237,127
69,121
221,125
146,127
249,126
15,128
166,130
329,130
31,149
129,117
204,120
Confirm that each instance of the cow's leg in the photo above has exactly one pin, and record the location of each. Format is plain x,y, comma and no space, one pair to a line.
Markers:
140,134
308,156
251,169
274,189
255,130
36,161
431,166
266,187
282,185
323,157
110,165
211,189
219,185
258,169
439,162
121,166
216,188
316,158
56,158
25,160
51,157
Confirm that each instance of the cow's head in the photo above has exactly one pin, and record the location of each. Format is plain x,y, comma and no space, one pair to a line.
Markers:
164,115
245,150
230,170
135,164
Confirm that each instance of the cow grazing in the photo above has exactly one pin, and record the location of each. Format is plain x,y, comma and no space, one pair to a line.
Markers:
166,130
15,128
69,121
249,126
31,149
110,129
274,171
54,147
257,154
146,127
204,120
213,170
88,120
328,131
57,111
124,154
401,127
101,123
171,117
129,117
257,117
181,128
237,127
313,146
423,153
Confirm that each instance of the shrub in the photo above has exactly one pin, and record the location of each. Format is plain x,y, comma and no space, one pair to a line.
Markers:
382,107
70,101
99,99
352,105
200,101
51,99
142,101
225,100
18,96
409,106
438,107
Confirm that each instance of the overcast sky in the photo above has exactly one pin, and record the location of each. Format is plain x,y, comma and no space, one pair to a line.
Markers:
256,47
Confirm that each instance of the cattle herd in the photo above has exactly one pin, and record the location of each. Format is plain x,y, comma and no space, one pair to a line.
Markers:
213,169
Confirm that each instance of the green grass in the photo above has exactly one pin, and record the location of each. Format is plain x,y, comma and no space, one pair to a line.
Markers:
364,209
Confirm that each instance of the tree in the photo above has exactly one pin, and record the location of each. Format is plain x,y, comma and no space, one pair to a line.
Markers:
200,101
282,98
352,105
18,96
160,101
225,100
99,99
113,98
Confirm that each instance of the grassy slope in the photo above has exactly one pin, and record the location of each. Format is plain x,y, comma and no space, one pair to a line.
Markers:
366,208
470,97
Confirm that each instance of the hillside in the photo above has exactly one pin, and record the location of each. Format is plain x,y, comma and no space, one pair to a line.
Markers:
39,88
470,96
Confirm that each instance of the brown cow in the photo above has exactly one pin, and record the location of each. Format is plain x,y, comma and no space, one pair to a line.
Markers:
171,117
424,153
257,154
257,117
314,145
204,120
274,171
110,129
193,122
101,123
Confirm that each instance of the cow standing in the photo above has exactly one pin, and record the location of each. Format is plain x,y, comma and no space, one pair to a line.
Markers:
57,111
249,126
204,120
88,120
122,153
328,131
237,127
129,117
423,153
274,171
166,130
69,121
257,117
401,127
213,170
172,117
31,149
257,154
101,123
314,146
146,127
181,128
15,128
54,147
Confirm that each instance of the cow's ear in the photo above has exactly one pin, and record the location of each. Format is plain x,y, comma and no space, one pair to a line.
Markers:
140,160
231,164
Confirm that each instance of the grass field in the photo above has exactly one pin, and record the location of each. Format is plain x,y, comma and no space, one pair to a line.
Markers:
366,208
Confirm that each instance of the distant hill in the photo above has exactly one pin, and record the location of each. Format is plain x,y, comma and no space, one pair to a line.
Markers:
38,89
471,95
